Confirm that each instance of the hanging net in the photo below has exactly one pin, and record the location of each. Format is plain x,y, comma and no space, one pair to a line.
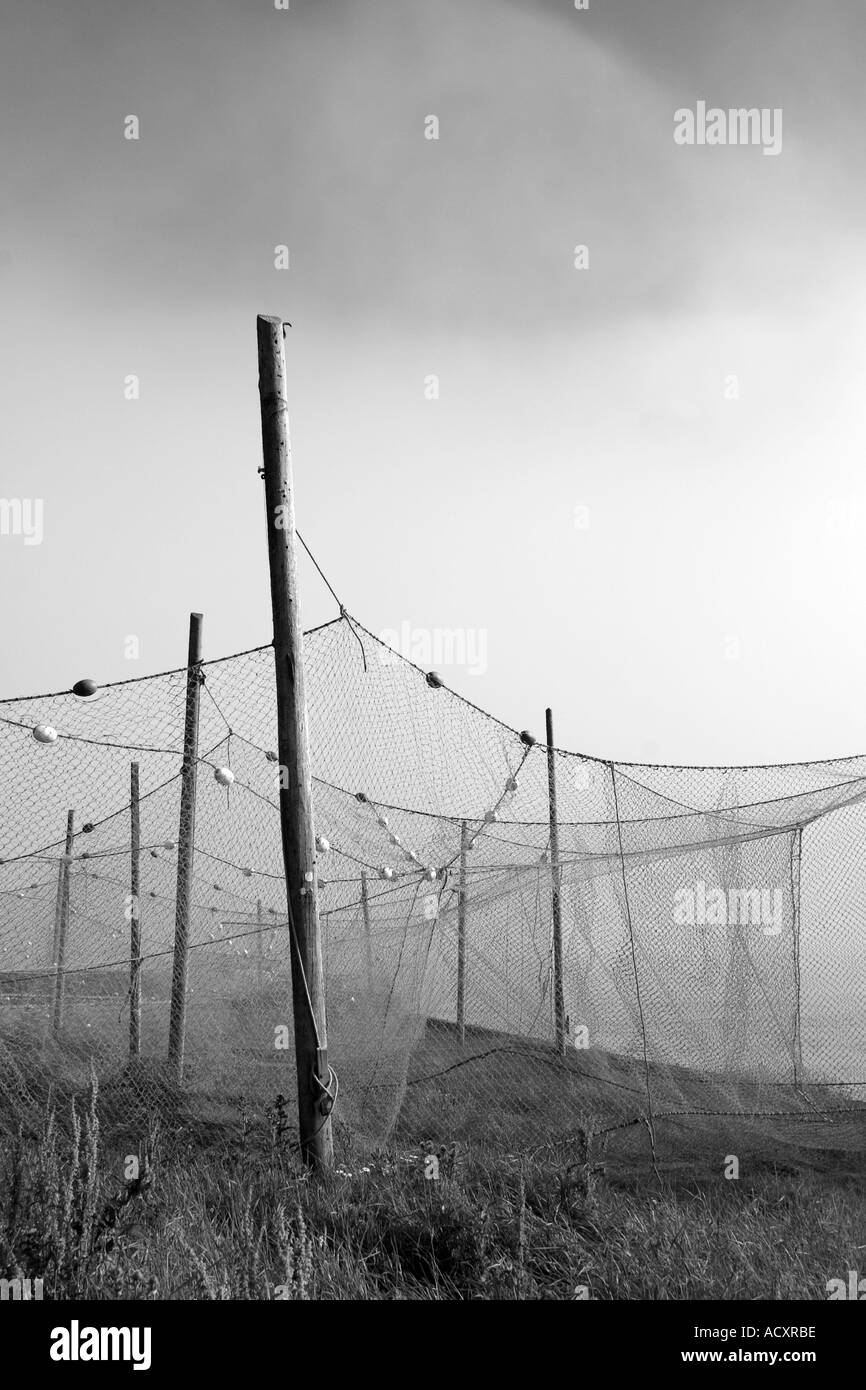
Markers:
713,923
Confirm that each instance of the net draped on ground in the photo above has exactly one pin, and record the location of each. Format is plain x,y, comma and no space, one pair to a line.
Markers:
714,951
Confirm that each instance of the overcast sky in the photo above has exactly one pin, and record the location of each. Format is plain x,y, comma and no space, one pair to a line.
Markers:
713,609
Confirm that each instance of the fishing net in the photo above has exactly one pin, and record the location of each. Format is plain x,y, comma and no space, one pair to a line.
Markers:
713,948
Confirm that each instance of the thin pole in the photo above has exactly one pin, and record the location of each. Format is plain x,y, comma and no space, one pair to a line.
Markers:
556,876
61,920
461,936
296,800
135,915
260,945
365,904
185,847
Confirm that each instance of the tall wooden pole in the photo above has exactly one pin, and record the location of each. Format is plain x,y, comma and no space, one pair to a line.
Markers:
61,926
556,877
185,850
461,936
135,915
296,801
368,937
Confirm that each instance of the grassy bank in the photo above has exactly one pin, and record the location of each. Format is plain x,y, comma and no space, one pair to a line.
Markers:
247,1222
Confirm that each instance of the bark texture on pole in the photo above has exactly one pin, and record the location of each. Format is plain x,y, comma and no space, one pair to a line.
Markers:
61,926
185,851
461,936
134,916
556,878
296,801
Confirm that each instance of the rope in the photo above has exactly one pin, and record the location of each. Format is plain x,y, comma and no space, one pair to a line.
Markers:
340,605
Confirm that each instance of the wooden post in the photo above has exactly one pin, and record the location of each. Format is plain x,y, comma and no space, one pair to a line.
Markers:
461,936
134,916
296,801
260,945
185,848
61,926
368,939
556,876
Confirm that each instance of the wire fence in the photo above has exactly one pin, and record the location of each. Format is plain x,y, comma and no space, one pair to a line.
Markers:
713,975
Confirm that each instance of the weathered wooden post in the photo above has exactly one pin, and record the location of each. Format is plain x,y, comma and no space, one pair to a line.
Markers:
61,927
134,915
556,879
296,802
461,936
185,851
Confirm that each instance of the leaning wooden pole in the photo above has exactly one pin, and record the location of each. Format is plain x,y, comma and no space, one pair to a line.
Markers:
556,879
296,802
134,915
461,936
61,927
185,851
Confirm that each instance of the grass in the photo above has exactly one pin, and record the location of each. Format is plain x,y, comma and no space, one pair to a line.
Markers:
135,1189
247,1222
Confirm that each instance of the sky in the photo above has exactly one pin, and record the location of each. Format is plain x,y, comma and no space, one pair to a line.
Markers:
674,563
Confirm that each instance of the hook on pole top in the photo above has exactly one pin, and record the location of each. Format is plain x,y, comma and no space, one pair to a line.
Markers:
274,321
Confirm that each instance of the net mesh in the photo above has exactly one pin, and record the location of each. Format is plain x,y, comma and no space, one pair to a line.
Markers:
712,922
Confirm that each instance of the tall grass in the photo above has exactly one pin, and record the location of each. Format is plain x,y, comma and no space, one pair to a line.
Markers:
252,1224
